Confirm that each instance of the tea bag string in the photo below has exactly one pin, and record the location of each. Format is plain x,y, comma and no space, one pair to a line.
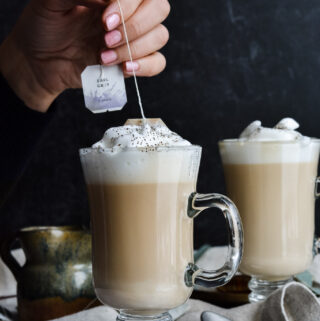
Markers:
130,55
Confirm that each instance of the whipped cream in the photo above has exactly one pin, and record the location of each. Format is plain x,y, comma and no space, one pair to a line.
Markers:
146,136
125,155
285,130
262,145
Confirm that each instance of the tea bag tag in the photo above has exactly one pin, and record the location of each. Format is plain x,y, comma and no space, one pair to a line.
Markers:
104,88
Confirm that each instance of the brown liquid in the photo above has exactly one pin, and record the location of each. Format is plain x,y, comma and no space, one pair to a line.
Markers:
142,244
276,204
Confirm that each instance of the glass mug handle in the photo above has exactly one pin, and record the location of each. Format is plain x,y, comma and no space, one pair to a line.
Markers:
316,247
316,193
214,278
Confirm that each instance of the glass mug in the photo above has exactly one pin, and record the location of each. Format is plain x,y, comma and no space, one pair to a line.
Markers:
273,184
142,205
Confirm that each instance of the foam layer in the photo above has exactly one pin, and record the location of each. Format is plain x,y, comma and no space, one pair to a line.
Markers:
259,145
140,153
132,166
283,131
150,135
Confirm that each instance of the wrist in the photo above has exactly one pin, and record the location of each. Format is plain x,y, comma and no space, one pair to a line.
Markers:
22,78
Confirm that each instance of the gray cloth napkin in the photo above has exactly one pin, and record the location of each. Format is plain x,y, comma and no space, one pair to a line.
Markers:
105,314
294,302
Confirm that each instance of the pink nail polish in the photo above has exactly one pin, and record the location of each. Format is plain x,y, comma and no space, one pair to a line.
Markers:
109,56
113,21
132,66
113,37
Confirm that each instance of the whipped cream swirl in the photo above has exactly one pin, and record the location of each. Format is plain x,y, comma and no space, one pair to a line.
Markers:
145,136
285,130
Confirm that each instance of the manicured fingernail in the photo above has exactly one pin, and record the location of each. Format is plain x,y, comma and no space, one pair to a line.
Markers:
113,37
132,66
109,56
113,21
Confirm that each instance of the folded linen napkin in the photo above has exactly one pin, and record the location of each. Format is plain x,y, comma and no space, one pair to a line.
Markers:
104,313
8,284
294,302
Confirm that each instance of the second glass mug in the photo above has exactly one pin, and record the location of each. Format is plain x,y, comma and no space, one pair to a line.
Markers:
273,184
142,206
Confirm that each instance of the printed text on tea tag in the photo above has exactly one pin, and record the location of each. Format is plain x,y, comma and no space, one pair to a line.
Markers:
103,88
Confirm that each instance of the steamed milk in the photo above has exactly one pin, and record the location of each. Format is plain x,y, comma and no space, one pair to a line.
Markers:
141,234
270,175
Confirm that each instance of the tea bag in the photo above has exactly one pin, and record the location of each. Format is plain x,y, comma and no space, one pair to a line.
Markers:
104,87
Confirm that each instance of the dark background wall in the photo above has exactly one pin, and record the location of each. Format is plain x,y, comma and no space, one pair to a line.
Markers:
229,63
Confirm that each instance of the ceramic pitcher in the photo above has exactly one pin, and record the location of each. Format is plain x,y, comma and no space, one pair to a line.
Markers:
56,279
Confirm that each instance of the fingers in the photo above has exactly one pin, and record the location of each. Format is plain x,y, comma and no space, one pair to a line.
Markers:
145,67
145,33
142,47
111,17
150,14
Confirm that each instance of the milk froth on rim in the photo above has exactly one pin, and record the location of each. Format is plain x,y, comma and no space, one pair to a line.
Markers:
134,154
260,145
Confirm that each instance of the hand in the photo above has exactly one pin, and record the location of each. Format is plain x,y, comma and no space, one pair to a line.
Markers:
54,40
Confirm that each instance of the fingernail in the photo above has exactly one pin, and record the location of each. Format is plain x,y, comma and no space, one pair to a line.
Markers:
109,56
113,21
132,66
113,37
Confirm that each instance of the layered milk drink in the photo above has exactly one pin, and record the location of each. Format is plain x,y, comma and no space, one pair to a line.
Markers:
139,180
270,175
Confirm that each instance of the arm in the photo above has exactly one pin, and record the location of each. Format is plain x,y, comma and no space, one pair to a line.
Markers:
50,45
21,130
19,75
54,40
21,125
